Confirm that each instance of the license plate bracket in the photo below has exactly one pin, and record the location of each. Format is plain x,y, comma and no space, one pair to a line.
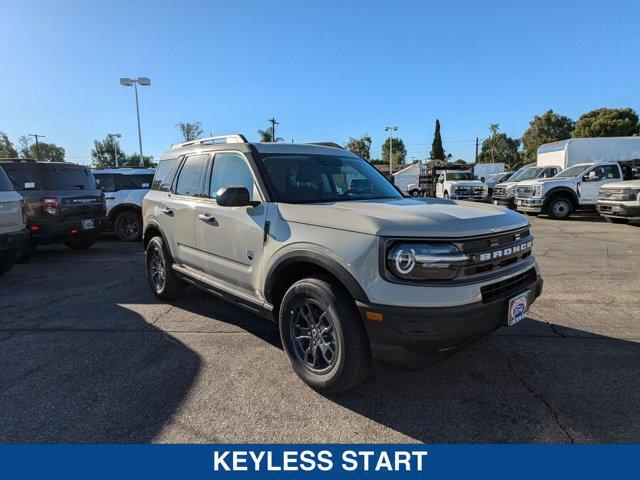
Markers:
87,224
518,308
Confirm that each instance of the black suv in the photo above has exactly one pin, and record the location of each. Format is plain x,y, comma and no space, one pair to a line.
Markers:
62,200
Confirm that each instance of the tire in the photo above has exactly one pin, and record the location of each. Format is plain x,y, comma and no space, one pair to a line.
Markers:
128,226
617,220
7,260
320,307
414,193
560,208
80,243
162,280
446,195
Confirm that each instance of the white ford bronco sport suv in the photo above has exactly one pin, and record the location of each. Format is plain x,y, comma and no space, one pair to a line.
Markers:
316,239
124,189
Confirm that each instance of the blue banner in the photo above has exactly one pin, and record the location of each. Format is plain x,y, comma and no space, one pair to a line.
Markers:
512,462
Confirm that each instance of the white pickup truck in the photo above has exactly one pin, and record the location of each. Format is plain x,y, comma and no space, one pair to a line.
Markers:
619,202
575,188
460,186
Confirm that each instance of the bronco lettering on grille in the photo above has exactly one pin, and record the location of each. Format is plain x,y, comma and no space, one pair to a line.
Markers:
505,252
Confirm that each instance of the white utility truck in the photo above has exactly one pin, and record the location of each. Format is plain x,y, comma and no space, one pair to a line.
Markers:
460,185
588,163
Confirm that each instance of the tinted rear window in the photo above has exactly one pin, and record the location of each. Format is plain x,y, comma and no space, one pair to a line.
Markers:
50,177
164,174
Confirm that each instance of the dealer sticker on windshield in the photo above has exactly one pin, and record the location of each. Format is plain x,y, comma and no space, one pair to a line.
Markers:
518,307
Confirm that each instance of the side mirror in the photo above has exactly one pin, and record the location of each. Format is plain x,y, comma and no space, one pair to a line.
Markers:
234,197
586,178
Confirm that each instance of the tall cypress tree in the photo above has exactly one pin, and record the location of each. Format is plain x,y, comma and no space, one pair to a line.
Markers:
437,152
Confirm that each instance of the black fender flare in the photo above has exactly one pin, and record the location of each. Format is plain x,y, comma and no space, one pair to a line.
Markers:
555,190
323,261
145,237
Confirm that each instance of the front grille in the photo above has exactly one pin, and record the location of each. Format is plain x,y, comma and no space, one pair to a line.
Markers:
508,287
469,190
620,194
499,192
526,191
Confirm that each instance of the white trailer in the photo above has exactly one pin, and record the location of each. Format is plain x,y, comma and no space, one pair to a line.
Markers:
573,151
485,170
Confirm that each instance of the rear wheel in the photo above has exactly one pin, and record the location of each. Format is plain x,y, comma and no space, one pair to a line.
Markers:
616,220
414,193
446,195
163,281
322,335
128,226
560,208
80,243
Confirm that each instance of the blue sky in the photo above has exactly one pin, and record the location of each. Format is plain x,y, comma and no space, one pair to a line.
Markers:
325,70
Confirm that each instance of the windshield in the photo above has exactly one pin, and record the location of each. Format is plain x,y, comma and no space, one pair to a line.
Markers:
311,178
50,177
573,171
461,176
497,176
526,174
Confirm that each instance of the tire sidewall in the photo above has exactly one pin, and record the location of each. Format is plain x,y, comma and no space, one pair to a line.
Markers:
558,200
120,218
156,242
297,293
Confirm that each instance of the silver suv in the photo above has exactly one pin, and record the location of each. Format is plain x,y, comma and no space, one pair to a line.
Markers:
314,238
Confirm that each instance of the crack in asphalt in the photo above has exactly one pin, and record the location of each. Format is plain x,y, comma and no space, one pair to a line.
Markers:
531,390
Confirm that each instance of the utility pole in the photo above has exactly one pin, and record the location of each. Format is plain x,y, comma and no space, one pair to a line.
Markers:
391,129
37,144
476,150
273,122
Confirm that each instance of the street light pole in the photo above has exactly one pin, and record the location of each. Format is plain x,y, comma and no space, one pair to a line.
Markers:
391,129
128,82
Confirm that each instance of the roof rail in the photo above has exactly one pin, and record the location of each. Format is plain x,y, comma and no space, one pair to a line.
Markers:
26,160
327,144
235,138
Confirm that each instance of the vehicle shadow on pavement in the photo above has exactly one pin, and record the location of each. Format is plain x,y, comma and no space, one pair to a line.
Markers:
78,364
529,383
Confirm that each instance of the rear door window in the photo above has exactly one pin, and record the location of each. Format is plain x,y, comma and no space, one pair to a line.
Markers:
105,182
165,172
190,176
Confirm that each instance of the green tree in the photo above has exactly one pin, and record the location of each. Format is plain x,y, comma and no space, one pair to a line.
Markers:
6,147
134,161
360,146
399,151
500,148
607,122
45,152
103,153
550,127
189,131
437,151
267,137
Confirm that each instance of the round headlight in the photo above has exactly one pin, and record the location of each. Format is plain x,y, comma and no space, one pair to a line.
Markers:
425,261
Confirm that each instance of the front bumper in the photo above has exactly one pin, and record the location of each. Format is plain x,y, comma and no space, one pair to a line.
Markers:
529,204
504,201
14,241
408,336
54,231
621,209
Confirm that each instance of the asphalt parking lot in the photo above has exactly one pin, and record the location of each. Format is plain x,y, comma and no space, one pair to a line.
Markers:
87,354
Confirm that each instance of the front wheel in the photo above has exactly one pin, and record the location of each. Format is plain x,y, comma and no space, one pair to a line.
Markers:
560,208
446,195
163,282
415,193
322,335
128,226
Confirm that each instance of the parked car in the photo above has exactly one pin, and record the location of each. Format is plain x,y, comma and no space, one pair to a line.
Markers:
348,270
124,189
14,236
460,185
575,188
619,202
495,179
62,201
505,193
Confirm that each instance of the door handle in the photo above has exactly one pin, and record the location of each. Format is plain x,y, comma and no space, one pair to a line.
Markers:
205,217
109,198
166,211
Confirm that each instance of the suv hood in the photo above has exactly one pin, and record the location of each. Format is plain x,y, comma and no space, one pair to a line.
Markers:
410,217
